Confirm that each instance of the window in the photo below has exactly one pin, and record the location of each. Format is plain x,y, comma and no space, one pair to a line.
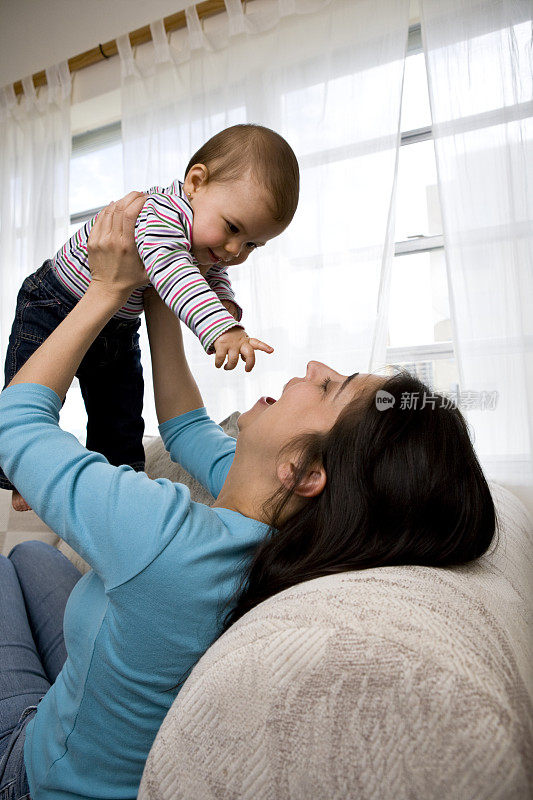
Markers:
420,327
96,175
95,179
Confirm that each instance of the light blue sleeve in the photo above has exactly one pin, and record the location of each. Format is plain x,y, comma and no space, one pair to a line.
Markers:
118,520
200,446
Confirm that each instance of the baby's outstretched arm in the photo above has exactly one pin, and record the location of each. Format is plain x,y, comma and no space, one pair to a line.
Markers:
233,309
162,235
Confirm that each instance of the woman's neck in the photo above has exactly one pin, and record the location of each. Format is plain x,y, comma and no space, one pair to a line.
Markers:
245,490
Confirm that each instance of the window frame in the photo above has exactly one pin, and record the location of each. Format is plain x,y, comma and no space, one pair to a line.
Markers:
418,243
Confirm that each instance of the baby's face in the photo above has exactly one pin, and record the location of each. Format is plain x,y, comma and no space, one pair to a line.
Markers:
230,220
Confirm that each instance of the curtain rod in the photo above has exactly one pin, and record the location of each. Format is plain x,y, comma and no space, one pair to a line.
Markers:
139,36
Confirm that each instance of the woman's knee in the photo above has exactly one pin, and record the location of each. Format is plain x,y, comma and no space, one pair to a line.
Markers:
11,601
7,570
40,565
30,550
34,560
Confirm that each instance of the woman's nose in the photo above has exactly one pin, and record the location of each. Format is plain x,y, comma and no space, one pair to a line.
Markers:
314,368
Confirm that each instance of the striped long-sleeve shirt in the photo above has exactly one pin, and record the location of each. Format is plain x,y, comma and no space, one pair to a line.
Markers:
163,237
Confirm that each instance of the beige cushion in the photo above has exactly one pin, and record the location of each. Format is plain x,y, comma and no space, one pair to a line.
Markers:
71,554
391,683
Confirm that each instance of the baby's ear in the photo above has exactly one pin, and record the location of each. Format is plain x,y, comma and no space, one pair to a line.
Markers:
197,175
312,483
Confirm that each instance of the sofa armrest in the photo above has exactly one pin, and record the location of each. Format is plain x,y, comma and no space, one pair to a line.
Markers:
412,683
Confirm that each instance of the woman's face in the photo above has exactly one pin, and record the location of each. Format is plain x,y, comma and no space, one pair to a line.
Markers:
309,404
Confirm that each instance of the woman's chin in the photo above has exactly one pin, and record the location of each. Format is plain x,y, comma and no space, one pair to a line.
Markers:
260,405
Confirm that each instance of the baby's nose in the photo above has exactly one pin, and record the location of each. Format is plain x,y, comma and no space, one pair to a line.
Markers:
234,247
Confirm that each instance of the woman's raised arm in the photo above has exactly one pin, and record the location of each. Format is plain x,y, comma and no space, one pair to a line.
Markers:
102,511
175,389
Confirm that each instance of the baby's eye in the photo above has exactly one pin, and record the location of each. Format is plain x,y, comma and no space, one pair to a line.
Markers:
325,383
232,228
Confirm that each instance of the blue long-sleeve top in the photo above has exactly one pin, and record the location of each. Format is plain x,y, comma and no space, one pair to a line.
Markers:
163,571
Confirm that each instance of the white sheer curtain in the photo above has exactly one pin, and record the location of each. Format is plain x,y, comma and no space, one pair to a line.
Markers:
330,81
34,158
479,59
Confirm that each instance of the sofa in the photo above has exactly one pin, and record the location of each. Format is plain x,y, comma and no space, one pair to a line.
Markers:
395,683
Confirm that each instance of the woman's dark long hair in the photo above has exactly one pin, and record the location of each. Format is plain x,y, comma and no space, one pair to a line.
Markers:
404,486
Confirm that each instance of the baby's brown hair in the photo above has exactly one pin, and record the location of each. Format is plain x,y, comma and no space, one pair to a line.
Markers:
263,152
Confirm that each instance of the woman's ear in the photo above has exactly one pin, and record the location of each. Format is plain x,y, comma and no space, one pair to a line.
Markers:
196,176
312,483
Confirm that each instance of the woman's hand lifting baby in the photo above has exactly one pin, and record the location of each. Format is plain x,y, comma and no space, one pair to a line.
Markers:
114,260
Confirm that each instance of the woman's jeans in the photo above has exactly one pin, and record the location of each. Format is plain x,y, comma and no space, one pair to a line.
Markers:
35,583
110,375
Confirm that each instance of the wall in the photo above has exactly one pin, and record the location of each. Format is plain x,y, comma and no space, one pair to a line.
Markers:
34,34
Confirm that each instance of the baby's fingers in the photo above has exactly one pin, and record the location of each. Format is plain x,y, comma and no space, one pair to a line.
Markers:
248,355
248,352
220,355
233,359
257,344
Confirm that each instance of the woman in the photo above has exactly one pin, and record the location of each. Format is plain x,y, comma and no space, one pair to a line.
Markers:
319,481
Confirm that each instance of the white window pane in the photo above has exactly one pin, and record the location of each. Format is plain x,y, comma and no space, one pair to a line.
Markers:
417,199
440,374
493,83
419,311
335,217
324,104
96,178
416,111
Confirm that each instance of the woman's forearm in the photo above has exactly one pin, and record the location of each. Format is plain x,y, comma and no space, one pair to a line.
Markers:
175,389
56,361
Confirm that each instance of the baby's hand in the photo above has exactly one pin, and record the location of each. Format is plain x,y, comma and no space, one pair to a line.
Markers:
236,342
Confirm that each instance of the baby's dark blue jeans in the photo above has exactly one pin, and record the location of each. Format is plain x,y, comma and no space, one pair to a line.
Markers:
110,375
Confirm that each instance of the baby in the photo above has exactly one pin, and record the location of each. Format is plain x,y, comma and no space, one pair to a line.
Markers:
240,190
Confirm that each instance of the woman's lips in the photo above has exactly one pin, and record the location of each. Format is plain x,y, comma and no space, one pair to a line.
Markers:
267,401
